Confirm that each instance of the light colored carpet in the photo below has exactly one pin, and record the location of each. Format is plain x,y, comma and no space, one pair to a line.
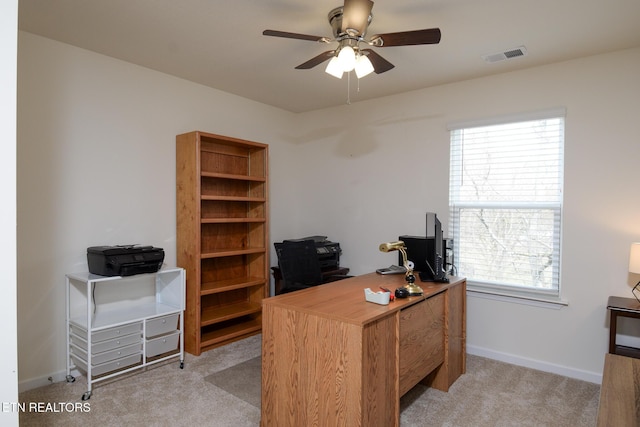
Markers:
241,380
498,394
222,388
161,396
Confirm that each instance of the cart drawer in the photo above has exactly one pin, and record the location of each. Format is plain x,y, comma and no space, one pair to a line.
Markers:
106,356
107,334
163,344
103,346
162,325
113,365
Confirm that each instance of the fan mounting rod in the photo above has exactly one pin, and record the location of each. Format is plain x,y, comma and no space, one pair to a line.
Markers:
335,20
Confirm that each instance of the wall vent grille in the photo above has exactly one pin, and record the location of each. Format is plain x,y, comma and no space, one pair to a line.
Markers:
516,52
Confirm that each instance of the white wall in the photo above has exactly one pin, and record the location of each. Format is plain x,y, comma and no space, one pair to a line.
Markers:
96,166
389,164
8,309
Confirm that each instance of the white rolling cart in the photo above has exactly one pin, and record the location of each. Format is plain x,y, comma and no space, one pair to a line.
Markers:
119,324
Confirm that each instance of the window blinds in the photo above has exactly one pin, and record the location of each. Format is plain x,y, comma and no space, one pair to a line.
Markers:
506,203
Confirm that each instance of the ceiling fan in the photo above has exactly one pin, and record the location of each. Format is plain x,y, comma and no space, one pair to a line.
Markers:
350,23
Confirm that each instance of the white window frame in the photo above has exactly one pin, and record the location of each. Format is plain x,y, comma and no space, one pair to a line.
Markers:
497,290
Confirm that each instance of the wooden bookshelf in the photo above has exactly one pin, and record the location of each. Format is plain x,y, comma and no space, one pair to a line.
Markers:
222,236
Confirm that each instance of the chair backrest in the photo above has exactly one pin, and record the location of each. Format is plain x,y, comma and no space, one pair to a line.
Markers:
299,264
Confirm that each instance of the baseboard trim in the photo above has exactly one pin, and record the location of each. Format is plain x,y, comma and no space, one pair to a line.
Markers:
592,377
42,381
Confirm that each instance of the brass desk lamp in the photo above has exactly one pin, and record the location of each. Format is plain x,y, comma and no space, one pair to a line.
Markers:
413,289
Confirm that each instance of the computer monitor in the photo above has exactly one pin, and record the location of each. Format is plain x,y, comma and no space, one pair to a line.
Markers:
435,271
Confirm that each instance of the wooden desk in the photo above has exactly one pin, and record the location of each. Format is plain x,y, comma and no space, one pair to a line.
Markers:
621,307
330,358
620,392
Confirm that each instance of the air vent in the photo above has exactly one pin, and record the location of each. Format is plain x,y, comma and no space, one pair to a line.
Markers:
508,54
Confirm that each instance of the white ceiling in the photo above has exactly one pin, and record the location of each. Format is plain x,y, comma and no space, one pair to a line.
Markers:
220,43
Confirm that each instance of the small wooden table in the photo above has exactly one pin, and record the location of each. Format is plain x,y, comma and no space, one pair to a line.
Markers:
621,307
620,392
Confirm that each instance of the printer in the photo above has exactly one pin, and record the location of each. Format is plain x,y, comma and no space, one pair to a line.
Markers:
328,251
125,260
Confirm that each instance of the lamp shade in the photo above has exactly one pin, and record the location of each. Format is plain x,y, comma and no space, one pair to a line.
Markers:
391,246
334,68
347,58
634,258
364,67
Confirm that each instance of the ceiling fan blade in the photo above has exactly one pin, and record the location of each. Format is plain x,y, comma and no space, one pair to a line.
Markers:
380,65
286,35
316,60
407,38
355,15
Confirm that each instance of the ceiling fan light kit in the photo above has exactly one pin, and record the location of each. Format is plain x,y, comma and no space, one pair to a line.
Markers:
349,24
364,67
334,68
349,61
347,58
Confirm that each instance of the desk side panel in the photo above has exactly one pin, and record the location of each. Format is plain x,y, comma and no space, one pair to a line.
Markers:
455,339
311,370
456,330
381,405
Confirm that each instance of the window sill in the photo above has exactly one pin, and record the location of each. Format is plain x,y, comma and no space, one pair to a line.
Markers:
555,303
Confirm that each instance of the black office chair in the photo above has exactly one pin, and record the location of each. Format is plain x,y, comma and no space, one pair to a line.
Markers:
300,266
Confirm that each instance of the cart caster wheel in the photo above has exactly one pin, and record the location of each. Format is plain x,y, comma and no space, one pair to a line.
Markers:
182,364
86,395
71,379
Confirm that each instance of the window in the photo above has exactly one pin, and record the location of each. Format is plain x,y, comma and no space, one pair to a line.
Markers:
505,199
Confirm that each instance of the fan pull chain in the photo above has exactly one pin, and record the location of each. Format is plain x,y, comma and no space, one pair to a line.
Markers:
349,88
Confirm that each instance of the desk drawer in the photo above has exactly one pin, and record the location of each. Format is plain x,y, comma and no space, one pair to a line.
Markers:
421,341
